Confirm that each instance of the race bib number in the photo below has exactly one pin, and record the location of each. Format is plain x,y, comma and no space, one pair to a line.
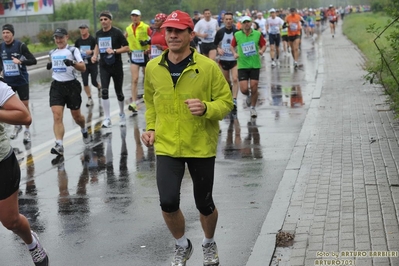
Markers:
226,50
294,26
104,43
10,69
209,37
154,51
248,48
138,56
58,63
83,50
274,29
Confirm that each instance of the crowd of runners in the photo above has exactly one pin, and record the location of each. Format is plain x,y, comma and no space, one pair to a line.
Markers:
201,58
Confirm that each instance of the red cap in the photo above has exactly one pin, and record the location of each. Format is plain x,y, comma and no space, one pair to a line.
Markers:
179,20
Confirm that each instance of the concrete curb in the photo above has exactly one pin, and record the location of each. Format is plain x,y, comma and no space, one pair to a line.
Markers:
264,248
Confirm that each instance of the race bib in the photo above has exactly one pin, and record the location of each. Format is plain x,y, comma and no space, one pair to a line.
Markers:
58,63
10,69
209,37
226,50
293,26
137,56
248,48
274,29
154,51
83,50
104,43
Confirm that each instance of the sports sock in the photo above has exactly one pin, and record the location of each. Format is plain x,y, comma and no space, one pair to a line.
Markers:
183,242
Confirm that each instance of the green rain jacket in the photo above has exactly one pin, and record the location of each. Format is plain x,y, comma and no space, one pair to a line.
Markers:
178,133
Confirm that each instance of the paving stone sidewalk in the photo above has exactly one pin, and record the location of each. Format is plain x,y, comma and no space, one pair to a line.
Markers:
346,194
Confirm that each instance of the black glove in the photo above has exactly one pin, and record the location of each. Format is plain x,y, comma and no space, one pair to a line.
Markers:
49,65
144,43
69,62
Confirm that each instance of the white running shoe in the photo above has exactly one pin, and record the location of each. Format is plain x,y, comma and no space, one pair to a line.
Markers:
89,102
58,149
182,254
253,112
273,63
211,256
106,123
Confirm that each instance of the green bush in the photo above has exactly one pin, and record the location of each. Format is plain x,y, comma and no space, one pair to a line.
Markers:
73,35
26,40
46,37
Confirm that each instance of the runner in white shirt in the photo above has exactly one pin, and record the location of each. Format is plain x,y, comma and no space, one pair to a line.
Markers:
206,30
65,88
273,26
262,23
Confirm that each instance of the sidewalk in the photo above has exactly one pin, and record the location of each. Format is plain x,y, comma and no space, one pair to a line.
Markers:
340,191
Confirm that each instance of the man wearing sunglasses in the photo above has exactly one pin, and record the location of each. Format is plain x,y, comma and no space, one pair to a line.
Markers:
185,95
111,43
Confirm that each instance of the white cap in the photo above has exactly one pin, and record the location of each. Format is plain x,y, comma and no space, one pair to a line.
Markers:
272,10
135,12
245,18
259,13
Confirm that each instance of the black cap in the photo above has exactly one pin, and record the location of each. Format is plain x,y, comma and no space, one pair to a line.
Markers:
60,32
83,26
9,27
196,12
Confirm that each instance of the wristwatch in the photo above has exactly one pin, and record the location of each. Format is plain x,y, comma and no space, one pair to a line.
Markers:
114,51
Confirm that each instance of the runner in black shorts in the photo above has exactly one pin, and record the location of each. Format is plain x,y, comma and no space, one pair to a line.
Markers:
206,30
248,74
65,88
227,65
206,48
14,59
227,62
66,93
14,111
86,44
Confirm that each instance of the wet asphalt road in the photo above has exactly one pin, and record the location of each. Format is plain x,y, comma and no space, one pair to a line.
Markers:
100,205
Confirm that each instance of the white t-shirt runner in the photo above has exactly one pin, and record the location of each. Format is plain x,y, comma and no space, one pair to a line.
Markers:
274,25
61,72
209,27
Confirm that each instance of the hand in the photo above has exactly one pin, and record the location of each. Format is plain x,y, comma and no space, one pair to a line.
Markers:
69,62
16,60
148,138
196,106
49,65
